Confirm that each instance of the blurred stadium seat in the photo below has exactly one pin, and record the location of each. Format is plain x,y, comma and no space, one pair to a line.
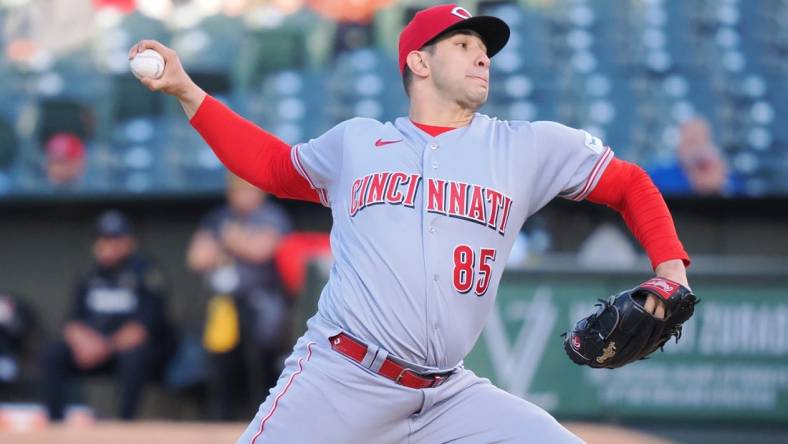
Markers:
265,51
292,104
365,82
129,101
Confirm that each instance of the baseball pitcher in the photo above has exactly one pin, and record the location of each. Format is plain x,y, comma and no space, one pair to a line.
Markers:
425,211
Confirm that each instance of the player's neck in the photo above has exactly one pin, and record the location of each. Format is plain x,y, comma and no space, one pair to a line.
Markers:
437,112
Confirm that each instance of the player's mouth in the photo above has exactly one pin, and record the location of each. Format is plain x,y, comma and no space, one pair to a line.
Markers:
480,78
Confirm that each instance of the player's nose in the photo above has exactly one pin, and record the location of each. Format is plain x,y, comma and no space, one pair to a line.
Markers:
482,61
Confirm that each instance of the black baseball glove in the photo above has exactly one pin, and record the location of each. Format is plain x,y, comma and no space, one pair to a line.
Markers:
622,331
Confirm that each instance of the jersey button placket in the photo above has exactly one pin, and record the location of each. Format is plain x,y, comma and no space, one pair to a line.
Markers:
430,167
433,146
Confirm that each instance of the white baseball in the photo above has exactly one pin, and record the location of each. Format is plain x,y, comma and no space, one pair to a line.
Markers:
148,63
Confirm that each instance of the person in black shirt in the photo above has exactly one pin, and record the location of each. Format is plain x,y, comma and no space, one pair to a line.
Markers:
116,323
233,249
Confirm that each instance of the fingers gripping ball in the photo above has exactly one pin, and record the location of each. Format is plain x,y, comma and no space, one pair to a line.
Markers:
148,63
621,330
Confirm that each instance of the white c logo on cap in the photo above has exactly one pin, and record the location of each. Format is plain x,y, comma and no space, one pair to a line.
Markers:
461,12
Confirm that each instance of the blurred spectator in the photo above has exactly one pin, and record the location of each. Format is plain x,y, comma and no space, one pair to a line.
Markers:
16,325
123,6
699,167
350,36
36,31
607,247
354,24
65,159
117,321
247,330
361,11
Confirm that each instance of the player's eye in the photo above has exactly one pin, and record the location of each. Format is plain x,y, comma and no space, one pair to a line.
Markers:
463,44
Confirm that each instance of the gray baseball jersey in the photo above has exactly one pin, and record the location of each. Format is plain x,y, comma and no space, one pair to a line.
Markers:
422,229
424,225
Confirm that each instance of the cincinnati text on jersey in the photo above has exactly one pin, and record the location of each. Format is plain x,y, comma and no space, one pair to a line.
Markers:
475,203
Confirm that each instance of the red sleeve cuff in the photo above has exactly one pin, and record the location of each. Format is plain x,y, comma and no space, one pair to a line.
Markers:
204,108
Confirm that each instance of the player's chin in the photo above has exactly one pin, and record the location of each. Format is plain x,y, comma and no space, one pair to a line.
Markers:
476,98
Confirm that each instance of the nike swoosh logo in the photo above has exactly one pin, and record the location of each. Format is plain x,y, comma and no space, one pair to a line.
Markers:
381,142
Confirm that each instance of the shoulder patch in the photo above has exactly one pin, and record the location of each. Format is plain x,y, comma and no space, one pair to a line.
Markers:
594,143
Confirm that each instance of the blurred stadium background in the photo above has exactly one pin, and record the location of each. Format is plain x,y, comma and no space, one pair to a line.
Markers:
632,72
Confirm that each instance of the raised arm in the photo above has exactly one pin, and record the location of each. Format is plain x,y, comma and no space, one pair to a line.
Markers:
251,153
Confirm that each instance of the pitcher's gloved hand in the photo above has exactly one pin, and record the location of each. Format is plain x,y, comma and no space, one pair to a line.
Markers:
623,331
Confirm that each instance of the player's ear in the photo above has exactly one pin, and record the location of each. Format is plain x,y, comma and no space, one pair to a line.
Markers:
418,64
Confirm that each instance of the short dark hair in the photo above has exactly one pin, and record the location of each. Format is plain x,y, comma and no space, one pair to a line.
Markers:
407,74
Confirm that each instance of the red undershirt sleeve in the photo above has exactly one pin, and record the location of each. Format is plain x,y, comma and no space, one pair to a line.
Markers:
251,153
629,190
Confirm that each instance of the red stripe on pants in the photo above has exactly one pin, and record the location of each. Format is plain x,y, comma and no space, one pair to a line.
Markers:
280,395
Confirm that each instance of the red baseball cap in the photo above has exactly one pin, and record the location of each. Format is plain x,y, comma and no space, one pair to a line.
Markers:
430,23
65,146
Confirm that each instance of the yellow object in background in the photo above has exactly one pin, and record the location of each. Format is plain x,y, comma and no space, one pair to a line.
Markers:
222,330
